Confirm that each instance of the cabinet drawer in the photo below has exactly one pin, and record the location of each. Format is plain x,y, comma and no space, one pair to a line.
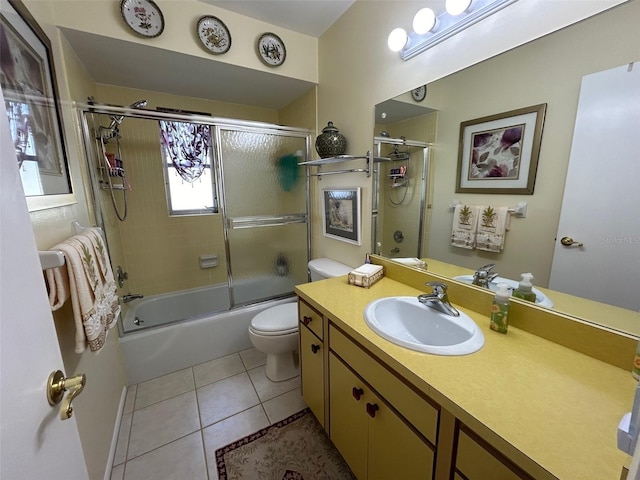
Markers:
416,409
311,318
477,463
312,374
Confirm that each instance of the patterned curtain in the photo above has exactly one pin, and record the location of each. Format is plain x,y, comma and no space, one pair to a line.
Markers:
187,145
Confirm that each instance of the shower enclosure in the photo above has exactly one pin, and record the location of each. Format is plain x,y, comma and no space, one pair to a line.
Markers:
190,204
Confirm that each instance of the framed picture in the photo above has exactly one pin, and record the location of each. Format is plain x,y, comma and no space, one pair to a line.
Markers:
499,153
27,79
341,214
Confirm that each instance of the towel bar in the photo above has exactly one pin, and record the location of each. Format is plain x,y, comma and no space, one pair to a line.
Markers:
55,258
519,211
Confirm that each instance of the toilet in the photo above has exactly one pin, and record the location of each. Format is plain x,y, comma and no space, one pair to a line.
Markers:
274,331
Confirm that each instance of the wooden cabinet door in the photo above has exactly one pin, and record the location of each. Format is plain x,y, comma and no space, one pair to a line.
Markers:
348,418
395,450
312,372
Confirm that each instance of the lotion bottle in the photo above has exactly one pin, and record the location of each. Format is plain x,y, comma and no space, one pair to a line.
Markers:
500,309
525,288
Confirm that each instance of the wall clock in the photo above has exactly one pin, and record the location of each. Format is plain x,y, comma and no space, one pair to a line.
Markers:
271,49
143,16
419,93
214,34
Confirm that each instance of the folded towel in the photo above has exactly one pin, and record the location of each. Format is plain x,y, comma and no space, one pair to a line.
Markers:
58,282
411,262
465,221
492,225
365,275
92,286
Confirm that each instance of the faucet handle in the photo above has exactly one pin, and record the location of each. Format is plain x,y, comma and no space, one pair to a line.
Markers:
439,288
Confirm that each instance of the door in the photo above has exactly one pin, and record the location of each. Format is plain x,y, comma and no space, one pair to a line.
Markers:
35,442
602,198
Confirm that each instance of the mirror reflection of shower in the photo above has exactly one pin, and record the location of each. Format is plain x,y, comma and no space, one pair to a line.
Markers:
110,163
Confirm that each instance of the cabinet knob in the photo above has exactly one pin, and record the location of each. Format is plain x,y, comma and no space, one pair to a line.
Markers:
357,392
315,348
306,320
372,408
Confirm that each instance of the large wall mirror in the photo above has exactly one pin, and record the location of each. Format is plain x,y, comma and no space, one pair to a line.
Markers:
27,78
548,71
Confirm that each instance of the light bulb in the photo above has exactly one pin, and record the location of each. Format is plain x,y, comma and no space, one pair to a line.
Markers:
424,21
397,39
456,7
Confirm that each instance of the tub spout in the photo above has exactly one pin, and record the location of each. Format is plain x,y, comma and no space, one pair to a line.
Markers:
129,297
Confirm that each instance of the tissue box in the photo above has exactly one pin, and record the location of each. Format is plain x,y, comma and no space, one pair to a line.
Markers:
366,275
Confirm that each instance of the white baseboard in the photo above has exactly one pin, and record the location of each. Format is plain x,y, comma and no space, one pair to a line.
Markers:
116,432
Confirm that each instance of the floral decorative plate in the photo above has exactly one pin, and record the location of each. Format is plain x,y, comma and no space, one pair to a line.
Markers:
271,50
143,16
214,34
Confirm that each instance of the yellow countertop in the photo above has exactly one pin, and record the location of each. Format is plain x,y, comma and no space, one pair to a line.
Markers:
552,410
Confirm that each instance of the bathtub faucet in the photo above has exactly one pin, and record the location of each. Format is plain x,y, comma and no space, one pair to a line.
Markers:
129,297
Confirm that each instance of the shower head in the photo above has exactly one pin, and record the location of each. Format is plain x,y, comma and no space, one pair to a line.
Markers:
117,120
138,104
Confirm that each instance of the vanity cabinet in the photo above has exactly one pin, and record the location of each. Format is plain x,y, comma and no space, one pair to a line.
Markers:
375,441
312,376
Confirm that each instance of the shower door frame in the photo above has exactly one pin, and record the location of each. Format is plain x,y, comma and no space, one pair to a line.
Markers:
217,124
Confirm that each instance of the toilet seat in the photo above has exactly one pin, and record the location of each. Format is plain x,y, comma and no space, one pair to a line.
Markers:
278,320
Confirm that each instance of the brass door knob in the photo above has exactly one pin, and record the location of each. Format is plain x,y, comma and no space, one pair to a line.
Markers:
58,384
570,242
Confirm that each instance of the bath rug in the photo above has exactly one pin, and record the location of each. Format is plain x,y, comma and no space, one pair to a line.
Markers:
296,448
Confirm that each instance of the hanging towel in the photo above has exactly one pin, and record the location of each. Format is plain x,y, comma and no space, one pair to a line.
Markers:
465,221
58,282
92,288
493,222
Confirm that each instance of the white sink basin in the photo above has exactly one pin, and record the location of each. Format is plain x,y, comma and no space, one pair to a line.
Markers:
408,323
541,299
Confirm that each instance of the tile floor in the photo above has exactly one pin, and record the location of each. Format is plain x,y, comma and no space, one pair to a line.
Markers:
172,425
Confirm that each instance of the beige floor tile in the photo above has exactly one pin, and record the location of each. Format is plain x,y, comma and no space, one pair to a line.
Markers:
217,369
117,473
253,358
229,430
123,439
226,397
162,423
266,388
284,405
130,399
182,459
164,387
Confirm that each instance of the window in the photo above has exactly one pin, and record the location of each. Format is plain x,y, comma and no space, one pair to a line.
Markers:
189,179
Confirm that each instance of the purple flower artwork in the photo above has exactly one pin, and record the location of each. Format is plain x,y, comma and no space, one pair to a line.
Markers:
496,153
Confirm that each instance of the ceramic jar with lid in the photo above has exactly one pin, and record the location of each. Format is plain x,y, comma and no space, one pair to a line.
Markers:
330,143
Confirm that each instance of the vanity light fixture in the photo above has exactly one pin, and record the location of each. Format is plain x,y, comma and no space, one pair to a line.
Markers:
459,15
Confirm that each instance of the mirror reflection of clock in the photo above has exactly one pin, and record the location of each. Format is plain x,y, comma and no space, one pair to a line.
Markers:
419,93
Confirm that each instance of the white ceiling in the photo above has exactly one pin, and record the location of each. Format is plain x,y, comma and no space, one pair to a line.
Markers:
116,62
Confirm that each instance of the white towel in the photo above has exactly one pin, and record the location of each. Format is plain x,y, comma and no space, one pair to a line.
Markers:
410,262
465,221
58,282
93,290
493,222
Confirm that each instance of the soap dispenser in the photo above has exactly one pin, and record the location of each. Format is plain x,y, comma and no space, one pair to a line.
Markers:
500,309
525,288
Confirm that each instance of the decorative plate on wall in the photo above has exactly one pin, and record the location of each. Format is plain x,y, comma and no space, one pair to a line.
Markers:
143,16
214,34
419,93
271,49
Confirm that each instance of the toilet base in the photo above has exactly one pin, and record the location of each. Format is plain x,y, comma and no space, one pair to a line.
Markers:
282,366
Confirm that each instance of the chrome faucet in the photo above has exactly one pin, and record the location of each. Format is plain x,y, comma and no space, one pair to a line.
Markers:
129,297
438,299
483,276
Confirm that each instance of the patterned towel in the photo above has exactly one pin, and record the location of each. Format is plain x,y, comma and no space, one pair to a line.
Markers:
92,286
465,220
492,225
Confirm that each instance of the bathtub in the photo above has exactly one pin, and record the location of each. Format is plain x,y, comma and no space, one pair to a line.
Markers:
176,342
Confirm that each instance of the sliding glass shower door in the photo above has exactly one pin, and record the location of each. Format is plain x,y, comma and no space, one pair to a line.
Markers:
265,206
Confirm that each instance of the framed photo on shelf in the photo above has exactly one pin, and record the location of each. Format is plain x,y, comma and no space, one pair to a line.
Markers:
341,216
27,78
499,153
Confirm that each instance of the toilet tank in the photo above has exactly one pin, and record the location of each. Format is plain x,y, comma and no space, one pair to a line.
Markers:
321,268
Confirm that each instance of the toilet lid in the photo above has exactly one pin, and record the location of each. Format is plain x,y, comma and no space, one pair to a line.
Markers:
278,320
